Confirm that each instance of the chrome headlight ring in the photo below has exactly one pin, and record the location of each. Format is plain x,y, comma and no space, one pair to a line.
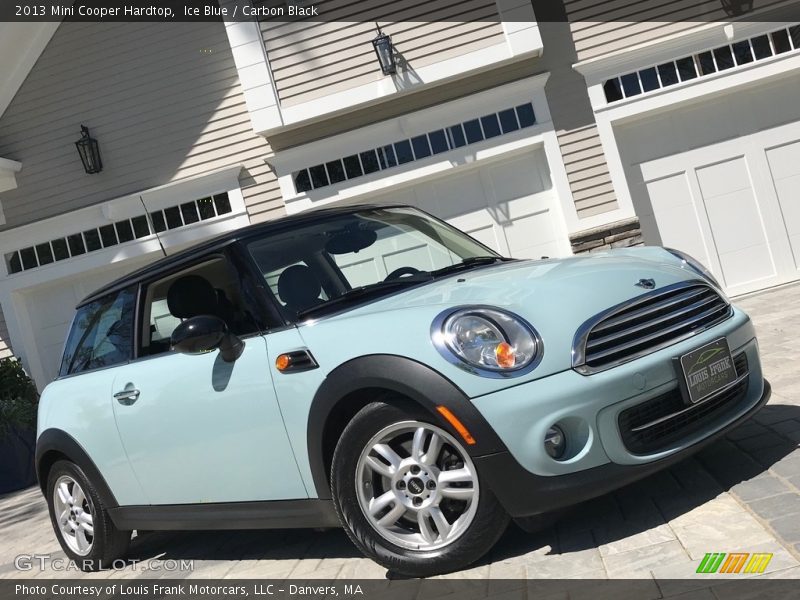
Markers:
695,265
484,340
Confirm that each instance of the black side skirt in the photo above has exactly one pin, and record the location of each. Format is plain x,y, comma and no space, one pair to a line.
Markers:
274,514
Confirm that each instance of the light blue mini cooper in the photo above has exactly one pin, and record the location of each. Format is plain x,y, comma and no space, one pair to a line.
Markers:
374,368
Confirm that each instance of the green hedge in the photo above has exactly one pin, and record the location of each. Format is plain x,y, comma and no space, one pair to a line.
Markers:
18,398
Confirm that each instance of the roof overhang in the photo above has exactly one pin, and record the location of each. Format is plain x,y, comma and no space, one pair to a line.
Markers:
21,44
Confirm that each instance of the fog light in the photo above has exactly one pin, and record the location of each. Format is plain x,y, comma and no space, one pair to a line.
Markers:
555,442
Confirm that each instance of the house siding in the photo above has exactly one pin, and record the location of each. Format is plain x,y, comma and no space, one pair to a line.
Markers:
163,101
602,27
312,60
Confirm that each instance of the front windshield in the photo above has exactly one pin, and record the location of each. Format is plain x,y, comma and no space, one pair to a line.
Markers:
358,255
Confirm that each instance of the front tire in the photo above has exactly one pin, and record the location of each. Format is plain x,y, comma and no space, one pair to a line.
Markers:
408,494
81,521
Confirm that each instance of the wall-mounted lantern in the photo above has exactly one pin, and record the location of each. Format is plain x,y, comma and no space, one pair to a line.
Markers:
89,151
735,8
385,51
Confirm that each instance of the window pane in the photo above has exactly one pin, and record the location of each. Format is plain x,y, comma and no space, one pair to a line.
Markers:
101,335
780,39
794,33
491,126
438,141
60,249
387,157
369,160
403,152
173,217
189,213
92,240
76,246
472,129
223,203
302,182
28,258
706,61
613,90
319,177
508,120
206,207
124,231
421,147
686,68
649,79
630,85
44,253
668,74
335,171
742,53
761,47
13,262
456,136
158,221
352,166
526,116
108,236
724,58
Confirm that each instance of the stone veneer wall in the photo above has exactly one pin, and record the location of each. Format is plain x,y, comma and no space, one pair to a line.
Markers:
621,234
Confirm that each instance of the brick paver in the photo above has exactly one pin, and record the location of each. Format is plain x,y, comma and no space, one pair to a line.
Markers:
741,494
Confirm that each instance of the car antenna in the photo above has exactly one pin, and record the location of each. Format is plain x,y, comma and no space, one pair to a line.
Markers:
152,227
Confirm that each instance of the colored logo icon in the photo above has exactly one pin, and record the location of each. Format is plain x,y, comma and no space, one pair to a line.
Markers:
734,562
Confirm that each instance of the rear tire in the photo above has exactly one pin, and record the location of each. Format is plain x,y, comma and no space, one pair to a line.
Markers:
81,521
408,494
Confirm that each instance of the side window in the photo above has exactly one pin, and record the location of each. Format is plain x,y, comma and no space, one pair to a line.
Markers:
101,334
210,288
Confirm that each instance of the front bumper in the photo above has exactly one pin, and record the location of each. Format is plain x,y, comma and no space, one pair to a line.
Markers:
599,458
524,494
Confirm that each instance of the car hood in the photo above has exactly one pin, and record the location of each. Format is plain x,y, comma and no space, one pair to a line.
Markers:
556,296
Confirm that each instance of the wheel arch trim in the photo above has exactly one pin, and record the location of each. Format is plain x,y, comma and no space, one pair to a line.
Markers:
412,379
60,442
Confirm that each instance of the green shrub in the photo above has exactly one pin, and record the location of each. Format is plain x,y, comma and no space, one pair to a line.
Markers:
18,398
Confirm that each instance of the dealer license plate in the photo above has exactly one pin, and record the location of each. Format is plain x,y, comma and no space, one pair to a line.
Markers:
707,370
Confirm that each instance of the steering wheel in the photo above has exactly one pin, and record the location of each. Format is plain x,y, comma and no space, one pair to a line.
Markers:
398,273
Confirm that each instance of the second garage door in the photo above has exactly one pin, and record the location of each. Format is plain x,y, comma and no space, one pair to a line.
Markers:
720,179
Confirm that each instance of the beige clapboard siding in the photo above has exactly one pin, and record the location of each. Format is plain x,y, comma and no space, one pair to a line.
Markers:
310,60
605,26
5,343
164,102
587,171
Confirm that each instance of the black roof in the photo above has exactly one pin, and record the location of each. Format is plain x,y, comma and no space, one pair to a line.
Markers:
222,240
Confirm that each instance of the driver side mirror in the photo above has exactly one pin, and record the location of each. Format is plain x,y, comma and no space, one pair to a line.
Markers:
206,333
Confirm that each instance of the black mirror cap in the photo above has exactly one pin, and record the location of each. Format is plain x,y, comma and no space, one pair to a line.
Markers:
206,333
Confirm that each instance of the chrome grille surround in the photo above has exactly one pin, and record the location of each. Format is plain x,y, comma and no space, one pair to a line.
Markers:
646,324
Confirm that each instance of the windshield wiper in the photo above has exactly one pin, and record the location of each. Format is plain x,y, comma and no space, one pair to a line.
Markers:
469,262
366,290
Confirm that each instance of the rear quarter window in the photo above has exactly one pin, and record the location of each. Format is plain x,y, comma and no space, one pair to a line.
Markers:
101,334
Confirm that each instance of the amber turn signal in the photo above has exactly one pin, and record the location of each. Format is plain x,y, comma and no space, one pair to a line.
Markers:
457,425
505,355
282,362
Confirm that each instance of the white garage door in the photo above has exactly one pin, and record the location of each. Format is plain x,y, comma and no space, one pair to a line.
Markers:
51,308
720,179
509,205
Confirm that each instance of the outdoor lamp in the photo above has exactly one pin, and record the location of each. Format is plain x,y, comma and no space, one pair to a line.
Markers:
385,51
89,151
737,7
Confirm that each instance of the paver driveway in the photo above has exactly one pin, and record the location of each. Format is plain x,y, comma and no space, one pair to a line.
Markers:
741,494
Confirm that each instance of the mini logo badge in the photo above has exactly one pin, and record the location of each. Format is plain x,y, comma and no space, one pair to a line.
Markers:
647,284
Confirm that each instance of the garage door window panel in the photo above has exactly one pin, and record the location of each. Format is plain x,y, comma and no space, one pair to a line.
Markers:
101,334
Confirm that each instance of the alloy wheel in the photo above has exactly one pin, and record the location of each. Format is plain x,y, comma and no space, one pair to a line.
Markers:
75,515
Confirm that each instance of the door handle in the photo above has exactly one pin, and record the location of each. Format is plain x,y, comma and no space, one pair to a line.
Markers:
127,397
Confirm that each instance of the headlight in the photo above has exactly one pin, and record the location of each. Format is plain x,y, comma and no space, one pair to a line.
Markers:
695,265
494,342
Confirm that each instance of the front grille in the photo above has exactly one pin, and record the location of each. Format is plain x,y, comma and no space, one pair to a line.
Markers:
658,423
646,324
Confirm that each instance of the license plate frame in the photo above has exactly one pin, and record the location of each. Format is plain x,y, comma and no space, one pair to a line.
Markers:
706,371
